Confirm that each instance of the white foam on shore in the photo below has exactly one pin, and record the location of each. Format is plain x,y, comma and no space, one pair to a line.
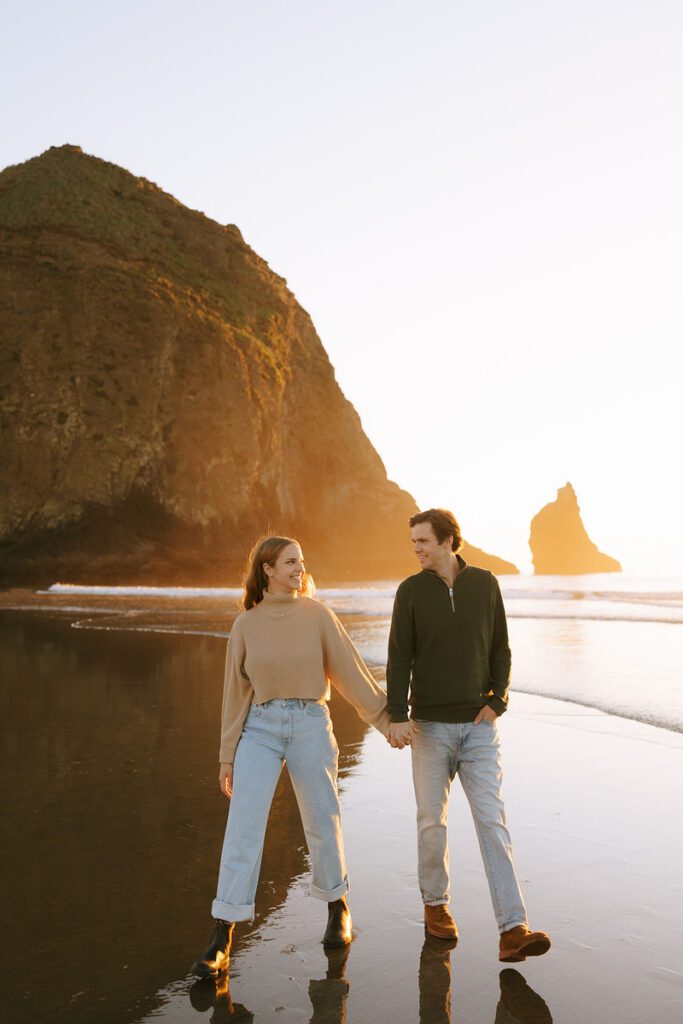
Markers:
548,597
178,593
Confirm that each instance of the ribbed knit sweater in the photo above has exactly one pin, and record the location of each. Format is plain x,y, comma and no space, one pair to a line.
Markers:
292,646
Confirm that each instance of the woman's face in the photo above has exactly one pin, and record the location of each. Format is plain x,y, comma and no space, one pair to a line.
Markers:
287,573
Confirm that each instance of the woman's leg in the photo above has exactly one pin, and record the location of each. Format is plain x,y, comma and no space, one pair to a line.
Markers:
312,754
258,763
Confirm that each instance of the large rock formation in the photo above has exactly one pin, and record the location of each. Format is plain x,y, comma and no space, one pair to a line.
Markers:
165,398
559,542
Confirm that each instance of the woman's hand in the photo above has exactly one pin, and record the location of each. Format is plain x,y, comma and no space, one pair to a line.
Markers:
225,780
401,734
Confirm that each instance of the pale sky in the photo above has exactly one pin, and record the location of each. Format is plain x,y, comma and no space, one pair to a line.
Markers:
479,204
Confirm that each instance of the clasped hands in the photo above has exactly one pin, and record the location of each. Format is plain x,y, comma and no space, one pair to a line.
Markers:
400,734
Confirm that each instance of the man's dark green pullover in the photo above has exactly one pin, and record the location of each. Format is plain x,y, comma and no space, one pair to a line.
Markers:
448,647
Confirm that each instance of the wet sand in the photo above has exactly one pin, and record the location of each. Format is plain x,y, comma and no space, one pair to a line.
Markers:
113,825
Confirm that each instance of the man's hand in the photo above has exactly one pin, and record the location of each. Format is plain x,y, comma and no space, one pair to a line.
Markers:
225,780
486,714
401,734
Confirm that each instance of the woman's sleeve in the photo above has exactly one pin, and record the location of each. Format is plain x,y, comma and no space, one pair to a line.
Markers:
238,694
349,674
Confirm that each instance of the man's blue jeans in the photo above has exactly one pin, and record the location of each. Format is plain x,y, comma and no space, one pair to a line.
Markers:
300,733
440,751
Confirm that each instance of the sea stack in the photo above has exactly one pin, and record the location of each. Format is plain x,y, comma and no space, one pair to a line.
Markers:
165,398
559,542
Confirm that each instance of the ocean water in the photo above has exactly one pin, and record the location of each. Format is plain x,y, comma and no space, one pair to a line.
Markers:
609,641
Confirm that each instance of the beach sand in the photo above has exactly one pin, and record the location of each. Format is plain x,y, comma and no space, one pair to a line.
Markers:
114,824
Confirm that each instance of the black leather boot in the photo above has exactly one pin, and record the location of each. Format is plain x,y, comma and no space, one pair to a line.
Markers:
338,931
216,958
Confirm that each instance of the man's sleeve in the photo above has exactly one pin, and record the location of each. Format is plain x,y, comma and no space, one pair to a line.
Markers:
400,659
500,658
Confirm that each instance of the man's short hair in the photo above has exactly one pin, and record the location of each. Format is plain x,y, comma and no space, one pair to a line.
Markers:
443,523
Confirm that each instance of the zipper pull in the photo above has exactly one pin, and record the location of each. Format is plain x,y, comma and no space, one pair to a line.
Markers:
450,593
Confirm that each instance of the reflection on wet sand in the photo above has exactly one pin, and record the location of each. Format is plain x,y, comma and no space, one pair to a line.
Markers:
328,996
518,1003
214,994
109,769
434,978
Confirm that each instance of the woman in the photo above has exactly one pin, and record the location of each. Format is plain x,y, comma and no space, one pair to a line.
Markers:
282,651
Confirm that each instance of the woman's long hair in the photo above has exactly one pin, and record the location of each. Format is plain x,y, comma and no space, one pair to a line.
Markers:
267,549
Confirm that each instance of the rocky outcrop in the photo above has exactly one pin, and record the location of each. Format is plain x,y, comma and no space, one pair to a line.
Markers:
559,542
165,398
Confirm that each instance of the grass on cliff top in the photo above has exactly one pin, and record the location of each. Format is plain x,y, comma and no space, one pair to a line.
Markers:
69,193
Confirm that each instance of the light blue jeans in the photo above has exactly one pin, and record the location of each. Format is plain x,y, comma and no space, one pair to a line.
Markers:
300,733
440,750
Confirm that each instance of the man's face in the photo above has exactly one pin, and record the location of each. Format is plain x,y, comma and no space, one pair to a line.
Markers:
429,552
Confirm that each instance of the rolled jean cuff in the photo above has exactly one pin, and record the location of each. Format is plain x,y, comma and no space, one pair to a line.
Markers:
330,895
512,924
436,903
231,911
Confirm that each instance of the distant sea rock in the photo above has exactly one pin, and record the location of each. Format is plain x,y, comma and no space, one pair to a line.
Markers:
559,542
165,399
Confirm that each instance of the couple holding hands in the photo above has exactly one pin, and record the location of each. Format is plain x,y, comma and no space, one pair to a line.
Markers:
448,657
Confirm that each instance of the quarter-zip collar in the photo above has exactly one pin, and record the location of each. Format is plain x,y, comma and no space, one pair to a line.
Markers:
431,572
463,566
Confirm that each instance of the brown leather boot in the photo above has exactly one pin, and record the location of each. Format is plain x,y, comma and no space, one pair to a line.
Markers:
518,943
439,923
338,931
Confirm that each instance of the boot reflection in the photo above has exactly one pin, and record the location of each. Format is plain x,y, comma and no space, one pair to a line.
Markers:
519,1004
434,979
214,993
328,995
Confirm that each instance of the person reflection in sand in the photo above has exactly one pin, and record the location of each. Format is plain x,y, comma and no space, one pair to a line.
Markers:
328,995
434,978
518,1003
214,993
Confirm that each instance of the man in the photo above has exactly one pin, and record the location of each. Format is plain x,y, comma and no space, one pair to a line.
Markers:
449,658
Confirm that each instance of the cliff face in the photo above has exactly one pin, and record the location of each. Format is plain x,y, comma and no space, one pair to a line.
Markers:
559,542
165,398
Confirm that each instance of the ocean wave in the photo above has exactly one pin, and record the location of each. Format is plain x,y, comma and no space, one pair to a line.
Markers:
522,601
659,719
180,593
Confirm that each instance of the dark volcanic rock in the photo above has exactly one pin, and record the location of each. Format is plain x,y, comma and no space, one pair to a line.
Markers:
559,542
165,398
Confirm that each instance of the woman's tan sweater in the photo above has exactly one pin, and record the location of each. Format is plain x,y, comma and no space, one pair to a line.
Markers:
292,646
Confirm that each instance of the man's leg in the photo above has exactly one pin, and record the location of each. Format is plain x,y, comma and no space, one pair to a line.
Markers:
433,771
481,775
